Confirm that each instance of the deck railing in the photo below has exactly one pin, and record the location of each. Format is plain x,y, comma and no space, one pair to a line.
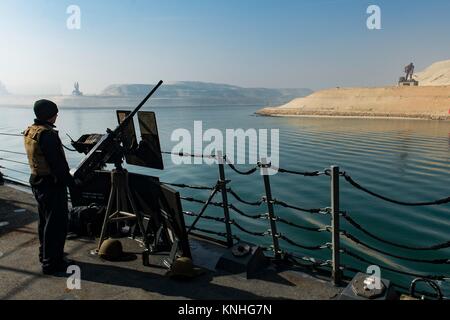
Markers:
337,216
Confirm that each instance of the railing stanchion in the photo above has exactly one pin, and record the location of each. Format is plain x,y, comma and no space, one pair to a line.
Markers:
335,211
273,225
226,211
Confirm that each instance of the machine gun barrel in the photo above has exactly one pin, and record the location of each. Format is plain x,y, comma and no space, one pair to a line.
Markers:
107,146
129,118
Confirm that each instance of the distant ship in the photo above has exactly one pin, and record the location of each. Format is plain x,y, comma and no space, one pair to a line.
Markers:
76,91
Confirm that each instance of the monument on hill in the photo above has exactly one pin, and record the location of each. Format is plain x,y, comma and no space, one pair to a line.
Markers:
408,80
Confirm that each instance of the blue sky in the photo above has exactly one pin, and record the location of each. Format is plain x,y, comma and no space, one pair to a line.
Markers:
253,43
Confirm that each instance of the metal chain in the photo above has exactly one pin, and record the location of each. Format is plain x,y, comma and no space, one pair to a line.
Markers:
358,257
258,216
193,214
285,205
13,152
244,173
305,174
186,186
238,198
190,199
14,170
14,161
292,224
356,240
11,134
359,227
187,155
312,248
257,234
411,204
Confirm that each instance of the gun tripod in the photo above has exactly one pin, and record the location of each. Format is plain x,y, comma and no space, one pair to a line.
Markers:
121,206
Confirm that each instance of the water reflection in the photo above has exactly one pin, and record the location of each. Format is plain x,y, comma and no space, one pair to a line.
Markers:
405,159
426,128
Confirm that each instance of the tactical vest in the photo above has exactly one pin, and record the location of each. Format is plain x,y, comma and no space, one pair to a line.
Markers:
38,164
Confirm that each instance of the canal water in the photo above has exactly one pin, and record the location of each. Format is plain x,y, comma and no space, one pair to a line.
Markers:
408,160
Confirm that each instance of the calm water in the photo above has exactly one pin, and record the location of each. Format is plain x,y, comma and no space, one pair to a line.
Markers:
404,159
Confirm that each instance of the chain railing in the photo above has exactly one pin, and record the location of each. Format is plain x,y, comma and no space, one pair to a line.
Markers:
337,217
267,201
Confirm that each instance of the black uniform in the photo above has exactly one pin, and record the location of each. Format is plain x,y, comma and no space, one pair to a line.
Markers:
50,192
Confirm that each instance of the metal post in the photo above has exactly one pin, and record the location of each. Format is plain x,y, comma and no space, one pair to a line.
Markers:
269,200
335,211
205,206
226,211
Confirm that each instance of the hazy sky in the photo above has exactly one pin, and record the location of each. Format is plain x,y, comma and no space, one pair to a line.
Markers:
253,43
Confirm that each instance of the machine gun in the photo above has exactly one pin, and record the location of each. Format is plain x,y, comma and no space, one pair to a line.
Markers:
126,201
103,149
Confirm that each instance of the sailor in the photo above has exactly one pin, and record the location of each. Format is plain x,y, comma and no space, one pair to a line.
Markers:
49,180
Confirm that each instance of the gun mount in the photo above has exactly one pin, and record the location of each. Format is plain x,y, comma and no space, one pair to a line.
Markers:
132,201
115,145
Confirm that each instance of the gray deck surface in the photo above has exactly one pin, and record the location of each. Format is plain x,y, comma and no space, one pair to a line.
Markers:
21,278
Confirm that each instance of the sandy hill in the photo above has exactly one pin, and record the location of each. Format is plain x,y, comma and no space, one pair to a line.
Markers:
200,93
430,102
438,74
187,93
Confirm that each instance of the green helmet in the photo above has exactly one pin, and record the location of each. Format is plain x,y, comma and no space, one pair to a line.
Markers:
184,268
112,250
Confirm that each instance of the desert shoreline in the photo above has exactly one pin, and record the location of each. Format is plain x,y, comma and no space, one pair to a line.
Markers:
427,103
371,117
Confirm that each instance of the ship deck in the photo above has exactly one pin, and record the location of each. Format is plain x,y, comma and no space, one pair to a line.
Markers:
21,278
